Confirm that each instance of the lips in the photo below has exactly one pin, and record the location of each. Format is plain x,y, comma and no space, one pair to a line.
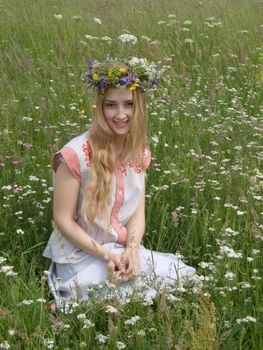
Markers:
120,124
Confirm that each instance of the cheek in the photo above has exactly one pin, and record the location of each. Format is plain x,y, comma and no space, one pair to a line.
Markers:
107,113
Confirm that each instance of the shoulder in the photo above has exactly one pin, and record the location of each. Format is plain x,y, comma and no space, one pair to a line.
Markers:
74,153
146,157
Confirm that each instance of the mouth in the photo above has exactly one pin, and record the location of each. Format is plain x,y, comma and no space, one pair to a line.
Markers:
121,124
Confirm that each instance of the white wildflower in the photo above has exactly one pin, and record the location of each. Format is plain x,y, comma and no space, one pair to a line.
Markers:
58,16
5,345
76,18
33,178
49,343
111,309
90,37
81,317
88,324
230,252
11,332
128,38
135,61
8,187
106,38
152,329
20,232
26,302
101,338
6,268
2,259
155,139
187,23
251,319
97,20
142,333
120,345
230,275
188,41
41,300
171,297
231,232
246,320
132,320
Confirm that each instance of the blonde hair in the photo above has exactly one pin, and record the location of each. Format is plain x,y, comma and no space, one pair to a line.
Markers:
104,160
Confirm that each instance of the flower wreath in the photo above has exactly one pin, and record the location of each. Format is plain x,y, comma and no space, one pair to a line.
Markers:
133,73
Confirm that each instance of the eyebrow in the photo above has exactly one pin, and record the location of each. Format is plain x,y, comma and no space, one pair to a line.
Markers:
114,101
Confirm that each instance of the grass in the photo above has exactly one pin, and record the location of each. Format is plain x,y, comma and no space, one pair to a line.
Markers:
204,186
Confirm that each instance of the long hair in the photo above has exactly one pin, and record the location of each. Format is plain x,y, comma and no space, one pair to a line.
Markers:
104,159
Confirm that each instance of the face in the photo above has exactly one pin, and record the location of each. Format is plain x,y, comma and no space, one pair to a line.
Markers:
118,110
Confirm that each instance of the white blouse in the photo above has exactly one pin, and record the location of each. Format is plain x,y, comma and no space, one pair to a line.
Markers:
127,186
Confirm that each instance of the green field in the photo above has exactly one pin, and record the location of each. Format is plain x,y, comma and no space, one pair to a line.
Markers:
205,182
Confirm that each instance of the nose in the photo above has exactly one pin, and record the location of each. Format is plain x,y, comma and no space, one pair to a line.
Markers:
121,113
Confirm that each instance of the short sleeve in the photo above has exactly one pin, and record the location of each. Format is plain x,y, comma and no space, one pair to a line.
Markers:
146,158
70,158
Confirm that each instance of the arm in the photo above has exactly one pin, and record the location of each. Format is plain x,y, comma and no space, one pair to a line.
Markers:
136,225
135,231
66,192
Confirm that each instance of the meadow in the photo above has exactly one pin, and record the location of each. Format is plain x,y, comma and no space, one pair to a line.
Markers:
204,186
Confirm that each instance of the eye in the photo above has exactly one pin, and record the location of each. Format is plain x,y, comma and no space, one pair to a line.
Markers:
109,105
130,104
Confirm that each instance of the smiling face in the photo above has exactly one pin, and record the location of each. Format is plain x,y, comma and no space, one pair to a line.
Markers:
117,108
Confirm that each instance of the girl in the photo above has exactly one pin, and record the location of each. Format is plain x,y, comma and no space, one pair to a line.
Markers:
99,194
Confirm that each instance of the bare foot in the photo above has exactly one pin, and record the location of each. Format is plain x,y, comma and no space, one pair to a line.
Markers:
52,306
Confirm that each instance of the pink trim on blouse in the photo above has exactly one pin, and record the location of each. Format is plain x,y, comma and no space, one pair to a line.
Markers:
86,148
71,160
119,197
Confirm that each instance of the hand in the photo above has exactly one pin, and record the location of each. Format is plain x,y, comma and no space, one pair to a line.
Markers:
115,269
131,260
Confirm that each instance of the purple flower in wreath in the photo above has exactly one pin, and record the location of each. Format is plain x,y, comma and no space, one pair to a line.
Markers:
89,63
124,81
133,77
101,84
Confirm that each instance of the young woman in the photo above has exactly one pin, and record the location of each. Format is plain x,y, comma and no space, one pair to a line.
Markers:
99,194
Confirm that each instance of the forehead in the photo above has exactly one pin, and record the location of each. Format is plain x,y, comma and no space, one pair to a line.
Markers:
117,94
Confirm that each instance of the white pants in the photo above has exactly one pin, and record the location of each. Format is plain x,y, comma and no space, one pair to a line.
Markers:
72,281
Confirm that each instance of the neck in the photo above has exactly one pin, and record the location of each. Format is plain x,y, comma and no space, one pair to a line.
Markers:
119,145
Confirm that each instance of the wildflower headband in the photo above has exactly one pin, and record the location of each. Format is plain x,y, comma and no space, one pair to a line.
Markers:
135,73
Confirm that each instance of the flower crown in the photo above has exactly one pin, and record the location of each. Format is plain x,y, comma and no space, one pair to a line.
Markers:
135,73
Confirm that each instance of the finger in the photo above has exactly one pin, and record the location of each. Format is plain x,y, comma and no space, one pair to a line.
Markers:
128,271
120,265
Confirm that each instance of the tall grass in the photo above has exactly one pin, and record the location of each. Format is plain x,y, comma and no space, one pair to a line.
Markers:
204,187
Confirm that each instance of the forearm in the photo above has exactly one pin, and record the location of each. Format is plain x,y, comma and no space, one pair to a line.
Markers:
76,235
135,231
